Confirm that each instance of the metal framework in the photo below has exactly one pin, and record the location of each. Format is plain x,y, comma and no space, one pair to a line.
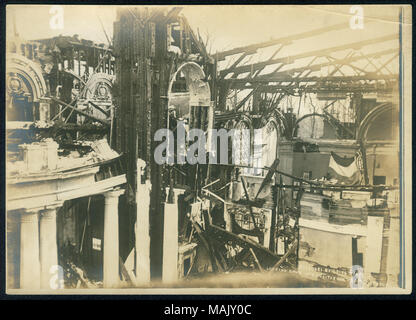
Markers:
356,72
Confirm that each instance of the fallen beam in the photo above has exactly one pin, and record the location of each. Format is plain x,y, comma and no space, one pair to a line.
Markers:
221,235
105,122
285,256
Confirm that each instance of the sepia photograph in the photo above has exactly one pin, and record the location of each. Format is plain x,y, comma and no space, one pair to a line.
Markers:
208,149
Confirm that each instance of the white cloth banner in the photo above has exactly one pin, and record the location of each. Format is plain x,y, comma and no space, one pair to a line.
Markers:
344,171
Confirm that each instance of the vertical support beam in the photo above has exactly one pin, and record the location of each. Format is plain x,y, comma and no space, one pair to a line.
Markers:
29,251
222,96
142,227
209,138
111,277
142,78
170,243
44,109
256,101
48,244
210,126
356,104
171,239
374,244
159,107
364,157
227,219
267,228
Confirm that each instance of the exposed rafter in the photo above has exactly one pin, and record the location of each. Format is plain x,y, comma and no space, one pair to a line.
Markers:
320,52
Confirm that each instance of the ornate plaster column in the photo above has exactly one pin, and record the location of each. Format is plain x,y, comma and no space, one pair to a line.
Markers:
170,239
48,245
111,277
29,250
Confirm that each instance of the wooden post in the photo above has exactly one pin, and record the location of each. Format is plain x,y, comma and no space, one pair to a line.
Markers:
159,107
267,228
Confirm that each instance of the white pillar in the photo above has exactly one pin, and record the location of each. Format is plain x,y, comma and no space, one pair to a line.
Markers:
111,258
142,227
48,245
29,251
374,244
171,239
170,243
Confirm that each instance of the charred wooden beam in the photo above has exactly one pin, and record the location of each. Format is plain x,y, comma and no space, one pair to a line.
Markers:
99,108
267,257
285,256
85,114
318,67
320,52
241,83
355,86
73,127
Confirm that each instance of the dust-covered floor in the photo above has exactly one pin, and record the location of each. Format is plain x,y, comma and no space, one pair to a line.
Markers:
248,280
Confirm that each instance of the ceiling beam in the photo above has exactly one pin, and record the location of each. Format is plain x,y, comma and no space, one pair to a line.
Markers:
320,52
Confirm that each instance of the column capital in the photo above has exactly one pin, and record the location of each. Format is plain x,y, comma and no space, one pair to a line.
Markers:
29,217
50,210
111,240
113,194
41,209
48,213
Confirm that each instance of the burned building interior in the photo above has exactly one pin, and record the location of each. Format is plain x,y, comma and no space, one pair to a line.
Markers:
87,201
